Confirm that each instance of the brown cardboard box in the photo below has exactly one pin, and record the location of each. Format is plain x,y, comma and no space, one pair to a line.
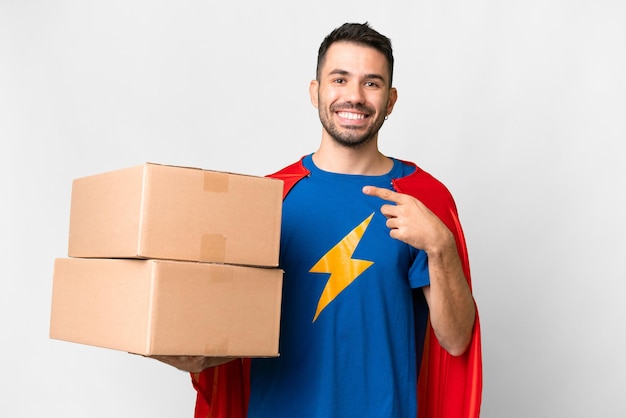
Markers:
178,213
159,307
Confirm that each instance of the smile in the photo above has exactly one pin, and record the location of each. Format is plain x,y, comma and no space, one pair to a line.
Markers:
350,115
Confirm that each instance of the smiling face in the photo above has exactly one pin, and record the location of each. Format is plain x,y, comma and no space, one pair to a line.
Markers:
352,93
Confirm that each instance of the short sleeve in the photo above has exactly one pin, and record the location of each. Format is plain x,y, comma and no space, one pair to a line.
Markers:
418,272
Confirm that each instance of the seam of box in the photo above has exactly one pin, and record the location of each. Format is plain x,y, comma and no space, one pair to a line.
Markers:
152,292
142,206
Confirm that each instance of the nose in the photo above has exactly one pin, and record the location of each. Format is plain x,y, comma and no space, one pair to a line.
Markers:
354,94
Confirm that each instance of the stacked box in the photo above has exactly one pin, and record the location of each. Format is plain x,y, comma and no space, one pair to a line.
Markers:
168,260
165,212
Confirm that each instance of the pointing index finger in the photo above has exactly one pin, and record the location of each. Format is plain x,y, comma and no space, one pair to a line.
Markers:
382,193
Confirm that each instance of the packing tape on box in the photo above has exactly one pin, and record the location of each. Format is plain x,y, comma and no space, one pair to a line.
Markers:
215,182
213,247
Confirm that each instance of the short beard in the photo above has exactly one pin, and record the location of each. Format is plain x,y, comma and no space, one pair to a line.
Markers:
346,138
349,139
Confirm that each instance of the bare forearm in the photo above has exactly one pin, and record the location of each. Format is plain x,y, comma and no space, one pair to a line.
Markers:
451,304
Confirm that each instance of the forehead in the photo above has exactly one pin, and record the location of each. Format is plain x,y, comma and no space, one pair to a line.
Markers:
355,59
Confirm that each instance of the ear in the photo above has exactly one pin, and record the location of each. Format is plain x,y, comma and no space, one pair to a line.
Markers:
393,97
313,92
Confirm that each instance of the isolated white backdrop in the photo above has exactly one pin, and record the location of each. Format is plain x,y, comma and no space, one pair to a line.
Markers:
518,106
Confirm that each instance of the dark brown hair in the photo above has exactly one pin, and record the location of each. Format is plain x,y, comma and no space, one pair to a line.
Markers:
359,33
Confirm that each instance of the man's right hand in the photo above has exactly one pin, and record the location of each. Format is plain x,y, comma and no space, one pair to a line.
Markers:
194,364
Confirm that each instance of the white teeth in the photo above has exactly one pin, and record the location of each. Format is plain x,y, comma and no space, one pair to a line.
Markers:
350,115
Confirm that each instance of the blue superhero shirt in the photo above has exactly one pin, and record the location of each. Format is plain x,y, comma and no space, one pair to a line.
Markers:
348,329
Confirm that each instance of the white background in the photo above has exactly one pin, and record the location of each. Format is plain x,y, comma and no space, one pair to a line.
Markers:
518,106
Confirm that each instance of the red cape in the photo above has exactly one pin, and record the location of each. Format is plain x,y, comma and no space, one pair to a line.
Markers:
448,386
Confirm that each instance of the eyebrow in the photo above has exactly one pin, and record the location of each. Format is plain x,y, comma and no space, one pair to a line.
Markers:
375,76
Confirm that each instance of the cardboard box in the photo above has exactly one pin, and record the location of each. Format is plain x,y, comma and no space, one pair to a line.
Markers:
160,307
177,213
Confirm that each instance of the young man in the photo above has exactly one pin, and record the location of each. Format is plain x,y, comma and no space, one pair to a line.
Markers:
376,271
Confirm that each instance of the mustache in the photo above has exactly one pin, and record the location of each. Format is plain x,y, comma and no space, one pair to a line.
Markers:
349,106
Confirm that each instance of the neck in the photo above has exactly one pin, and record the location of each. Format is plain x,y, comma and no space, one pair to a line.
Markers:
366,160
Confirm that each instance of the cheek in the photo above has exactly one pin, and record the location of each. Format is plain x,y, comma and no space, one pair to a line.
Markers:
383,105
328,96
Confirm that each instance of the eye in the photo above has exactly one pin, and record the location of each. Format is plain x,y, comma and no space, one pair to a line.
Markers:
339,81
371,84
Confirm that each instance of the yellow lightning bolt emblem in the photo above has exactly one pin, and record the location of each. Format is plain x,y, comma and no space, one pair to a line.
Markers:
342,267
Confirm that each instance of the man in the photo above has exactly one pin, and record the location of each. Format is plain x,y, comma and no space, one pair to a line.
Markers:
376,271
